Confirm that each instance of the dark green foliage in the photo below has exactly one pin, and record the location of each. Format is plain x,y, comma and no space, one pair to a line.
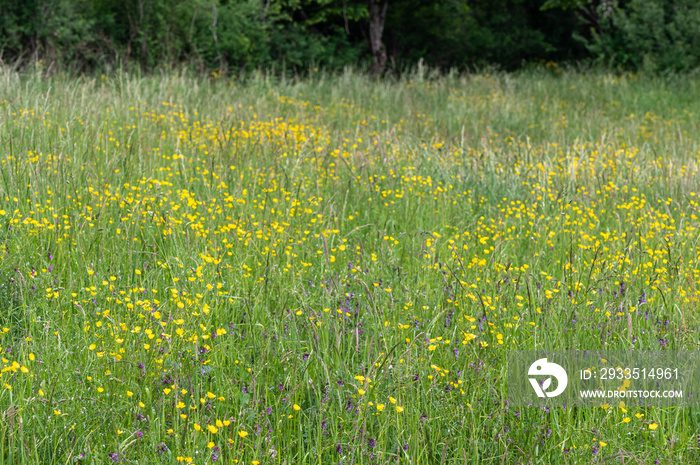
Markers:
297,35
460,33
649,35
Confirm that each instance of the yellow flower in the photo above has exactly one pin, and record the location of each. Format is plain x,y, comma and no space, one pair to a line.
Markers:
392,400
361,392
296,407
653,426
603,444
626,420
213,429
210,445
380,407
399,409
129,393
243,433
166,391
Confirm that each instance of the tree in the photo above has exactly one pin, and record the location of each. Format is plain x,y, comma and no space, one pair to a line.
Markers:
377,19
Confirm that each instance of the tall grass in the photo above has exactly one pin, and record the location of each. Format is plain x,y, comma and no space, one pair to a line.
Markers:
335,269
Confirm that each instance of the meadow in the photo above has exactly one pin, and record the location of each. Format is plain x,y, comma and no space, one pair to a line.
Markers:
333,269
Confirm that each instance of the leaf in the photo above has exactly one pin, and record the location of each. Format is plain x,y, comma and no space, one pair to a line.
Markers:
546,384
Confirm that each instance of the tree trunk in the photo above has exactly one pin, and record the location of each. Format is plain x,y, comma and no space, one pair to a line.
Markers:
377,18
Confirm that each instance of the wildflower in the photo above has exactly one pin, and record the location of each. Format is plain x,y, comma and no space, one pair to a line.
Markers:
642,298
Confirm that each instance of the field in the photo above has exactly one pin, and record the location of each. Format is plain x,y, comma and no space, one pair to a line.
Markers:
333,269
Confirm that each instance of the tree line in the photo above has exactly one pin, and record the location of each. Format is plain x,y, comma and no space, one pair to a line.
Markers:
380,35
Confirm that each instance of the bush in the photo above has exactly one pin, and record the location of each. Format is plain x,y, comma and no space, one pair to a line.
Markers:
649,35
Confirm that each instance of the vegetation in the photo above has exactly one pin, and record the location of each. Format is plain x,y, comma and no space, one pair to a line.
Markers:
333,270
295,36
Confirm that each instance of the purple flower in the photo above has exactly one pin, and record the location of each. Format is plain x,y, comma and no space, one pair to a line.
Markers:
371,443
114,456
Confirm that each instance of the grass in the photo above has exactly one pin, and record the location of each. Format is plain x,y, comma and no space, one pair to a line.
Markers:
334,270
